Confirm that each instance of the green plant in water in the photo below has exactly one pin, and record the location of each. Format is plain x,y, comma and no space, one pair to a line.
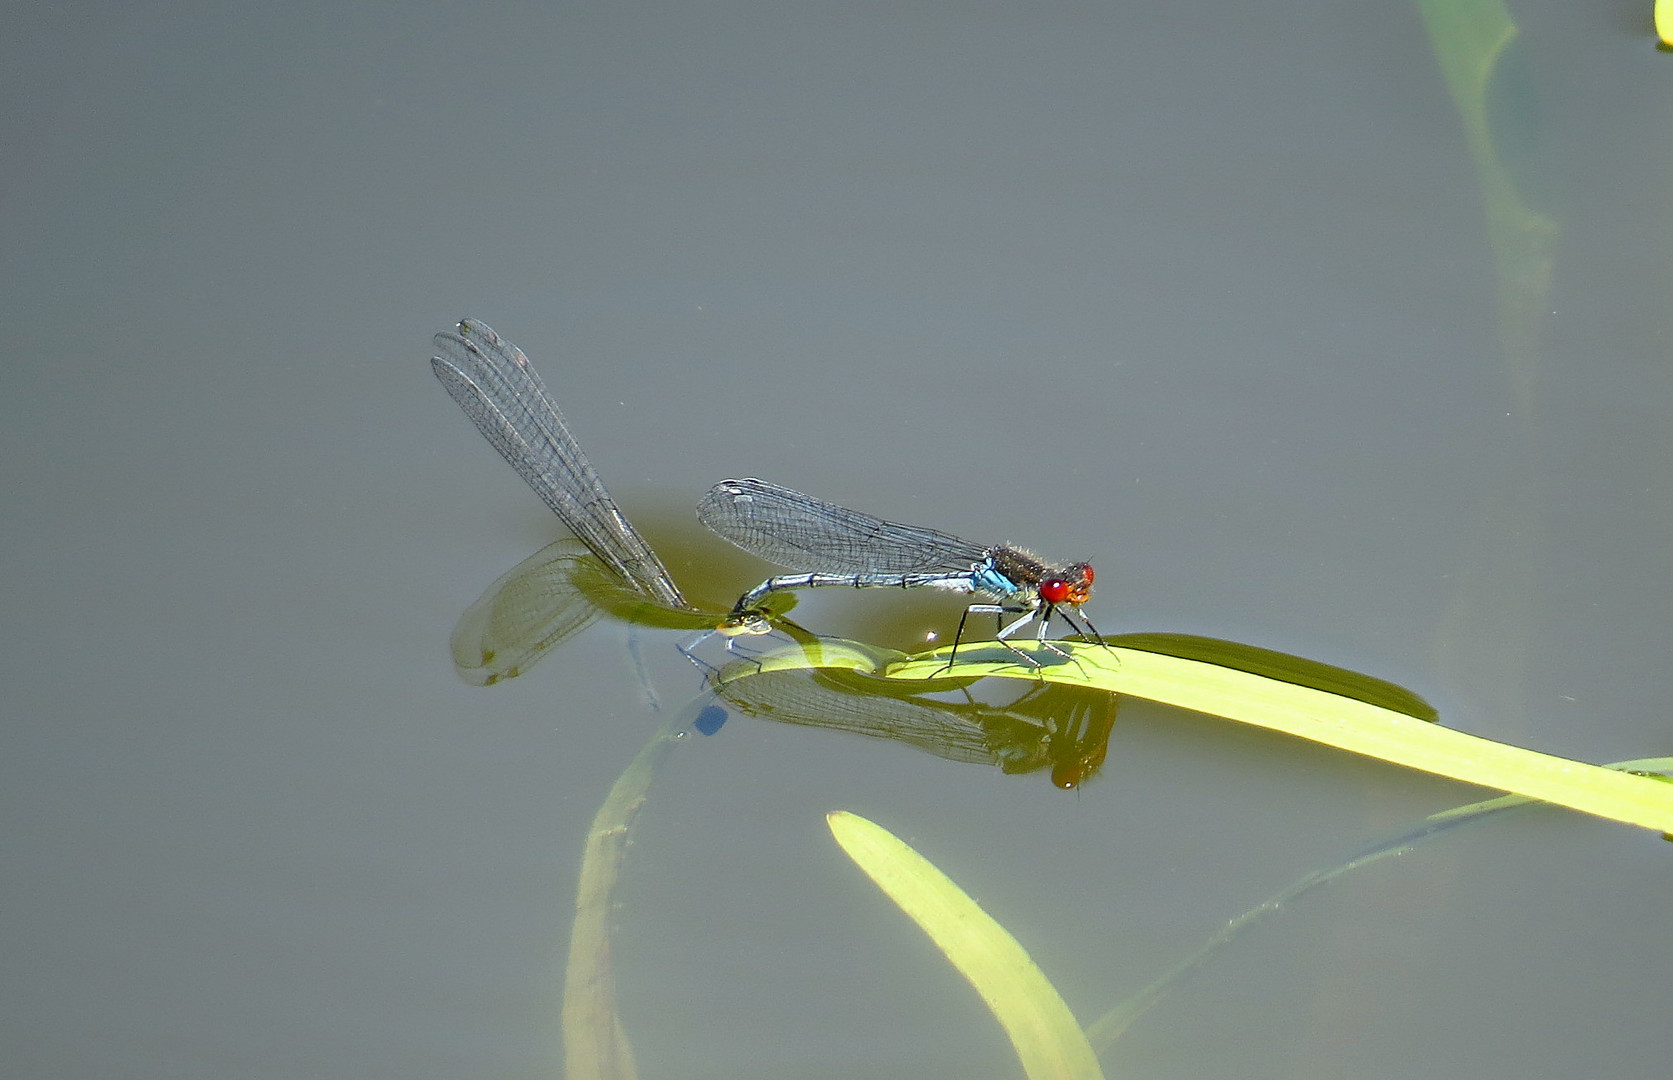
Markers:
1271,690
1042,1029
1045,1034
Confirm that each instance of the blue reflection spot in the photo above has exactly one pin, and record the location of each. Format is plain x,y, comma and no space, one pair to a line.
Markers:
709,720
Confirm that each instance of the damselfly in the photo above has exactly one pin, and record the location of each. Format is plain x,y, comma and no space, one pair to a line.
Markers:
833,545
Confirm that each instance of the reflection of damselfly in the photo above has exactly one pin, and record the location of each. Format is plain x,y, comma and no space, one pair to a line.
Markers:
1062,728
834,545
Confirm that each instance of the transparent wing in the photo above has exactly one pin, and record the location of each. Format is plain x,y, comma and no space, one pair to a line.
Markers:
808,701
532,608
494,383
799,532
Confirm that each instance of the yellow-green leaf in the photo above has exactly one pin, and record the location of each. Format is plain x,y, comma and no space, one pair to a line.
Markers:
1335,720
1047,1039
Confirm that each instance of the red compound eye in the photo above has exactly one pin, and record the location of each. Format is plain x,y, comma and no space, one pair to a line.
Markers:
1054,590
1086,573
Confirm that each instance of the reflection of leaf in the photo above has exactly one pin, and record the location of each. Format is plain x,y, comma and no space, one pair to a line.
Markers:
1042,1029
1108,1028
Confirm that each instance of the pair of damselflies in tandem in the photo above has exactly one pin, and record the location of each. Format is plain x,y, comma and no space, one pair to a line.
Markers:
826,544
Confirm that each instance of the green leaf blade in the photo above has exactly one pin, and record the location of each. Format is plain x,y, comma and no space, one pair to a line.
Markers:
1346,723
1047,1038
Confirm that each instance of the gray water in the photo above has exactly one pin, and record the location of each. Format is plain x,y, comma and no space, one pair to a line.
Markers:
1208,296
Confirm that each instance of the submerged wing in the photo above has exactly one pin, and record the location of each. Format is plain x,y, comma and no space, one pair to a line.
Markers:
799,532
494,383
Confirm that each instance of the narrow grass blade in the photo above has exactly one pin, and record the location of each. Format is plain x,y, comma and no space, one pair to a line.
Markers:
594,1042
1474,42
1047,1039
1104,1031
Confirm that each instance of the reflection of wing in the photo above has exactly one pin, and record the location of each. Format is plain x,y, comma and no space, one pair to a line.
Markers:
799,532
492,381
1064,727
542,602
532,607
812,699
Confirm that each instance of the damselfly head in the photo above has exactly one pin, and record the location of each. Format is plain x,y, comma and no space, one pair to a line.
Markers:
1072,585
1071,774
750,623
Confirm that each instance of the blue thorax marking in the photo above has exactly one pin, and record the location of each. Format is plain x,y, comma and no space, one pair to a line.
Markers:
986,578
